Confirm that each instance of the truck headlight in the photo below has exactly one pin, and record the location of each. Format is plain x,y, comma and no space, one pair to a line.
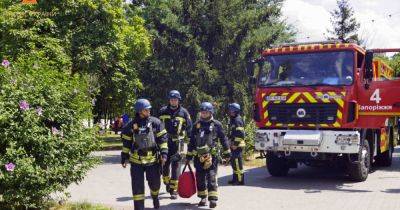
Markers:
347,139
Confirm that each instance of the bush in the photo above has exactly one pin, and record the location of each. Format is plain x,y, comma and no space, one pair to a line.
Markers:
250,130
43,144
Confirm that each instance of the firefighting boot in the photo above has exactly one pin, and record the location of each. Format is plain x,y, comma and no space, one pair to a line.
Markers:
241,182
156,203
166,183
174,195
213,204
234,179
139,205
232,182
203,202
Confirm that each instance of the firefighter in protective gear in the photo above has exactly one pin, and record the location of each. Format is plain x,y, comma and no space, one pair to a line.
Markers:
178,125
203,149
236,137
145,146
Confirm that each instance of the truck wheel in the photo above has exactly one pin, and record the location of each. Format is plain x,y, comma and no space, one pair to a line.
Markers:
385,158
277,166
359,169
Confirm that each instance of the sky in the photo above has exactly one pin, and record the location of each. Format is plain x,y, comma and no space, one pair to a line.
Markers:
379,20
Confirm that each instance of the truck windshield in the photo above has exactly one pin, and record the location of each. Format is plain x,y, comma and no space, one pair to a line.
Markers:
319,68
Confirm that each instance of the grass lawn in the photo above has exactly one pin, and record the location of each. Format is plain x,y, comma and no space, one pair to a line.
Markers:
68,206
80,206
253,162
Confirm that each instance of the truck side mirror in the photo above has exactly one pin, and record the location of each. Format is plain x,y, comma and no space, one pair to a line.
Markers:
369,56
250,68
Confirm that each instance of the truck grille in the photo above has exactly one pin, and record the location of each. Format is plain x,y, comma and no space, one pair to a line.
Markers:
302,113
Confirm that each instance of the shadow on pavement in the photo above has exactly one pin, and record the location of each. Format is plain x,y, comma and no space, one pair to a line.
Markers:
391,191
182,205
395,162
123,199
172,206
162,196
310,180
111,159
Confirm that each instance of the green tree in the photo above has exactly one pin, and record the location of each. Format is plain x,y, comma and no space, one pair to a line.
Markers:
345,25
395,63
25,31
201,47
105,39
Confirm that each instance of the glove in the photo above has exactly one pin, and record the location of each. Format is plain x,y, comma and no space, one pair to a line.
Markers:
186,140
164,157
189,157
123,162
175,158
206,160
124,157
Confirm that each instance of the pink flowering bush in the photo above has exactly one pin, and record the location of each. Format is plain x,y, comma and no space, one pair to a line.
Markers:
44,146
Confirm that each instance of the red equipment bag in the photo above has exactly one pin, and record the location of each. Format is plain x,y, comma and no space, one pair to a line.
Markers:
187,183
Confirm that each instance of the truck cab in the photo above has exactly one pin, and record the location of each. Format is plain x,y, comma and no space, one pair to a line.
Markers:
325,102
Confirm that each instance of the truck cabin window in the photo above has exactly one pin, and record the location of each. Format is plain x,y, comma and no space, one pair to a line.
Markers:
319,68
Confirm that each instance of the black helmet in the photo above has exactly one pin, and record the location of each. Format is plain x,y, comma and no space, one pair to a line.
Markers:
207,106
142,104
234,107
174,94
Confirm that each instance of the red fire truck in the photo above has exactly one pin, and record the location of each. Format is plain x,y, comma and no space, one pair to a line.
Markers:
327,102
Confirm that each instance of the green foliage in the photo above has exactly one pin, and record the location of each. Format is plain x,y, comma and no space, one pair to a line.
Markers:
250,131
345,26
81,206
46,142
201,48
50,148
395,63
26,31
104,39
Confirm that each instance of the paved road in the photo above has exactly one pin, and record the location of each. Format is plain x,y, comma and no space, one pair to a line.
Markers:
305,188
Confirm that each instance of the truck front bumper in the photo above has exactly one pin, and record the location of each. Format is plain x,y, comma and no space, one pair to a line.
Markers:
313,141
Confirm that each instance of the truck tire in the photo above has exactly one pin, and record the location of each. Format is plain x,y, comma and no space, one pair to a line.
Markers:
359,169
277,166
385,158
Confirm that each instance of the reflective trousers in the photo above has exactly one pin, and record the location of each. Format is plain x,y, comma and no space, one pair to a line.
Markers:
137,177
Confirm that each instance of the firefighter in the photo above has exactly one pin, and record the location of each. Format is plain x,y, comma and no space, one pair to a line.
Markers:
203,149
145,146
178,125
236,137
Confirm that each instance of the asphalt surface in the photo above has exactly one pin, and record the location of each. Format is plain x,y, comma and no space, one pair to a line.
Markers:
304,188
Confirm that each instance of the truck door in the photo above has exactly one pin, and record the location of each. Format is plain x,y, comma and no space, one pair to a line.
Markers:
380,95
381,98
